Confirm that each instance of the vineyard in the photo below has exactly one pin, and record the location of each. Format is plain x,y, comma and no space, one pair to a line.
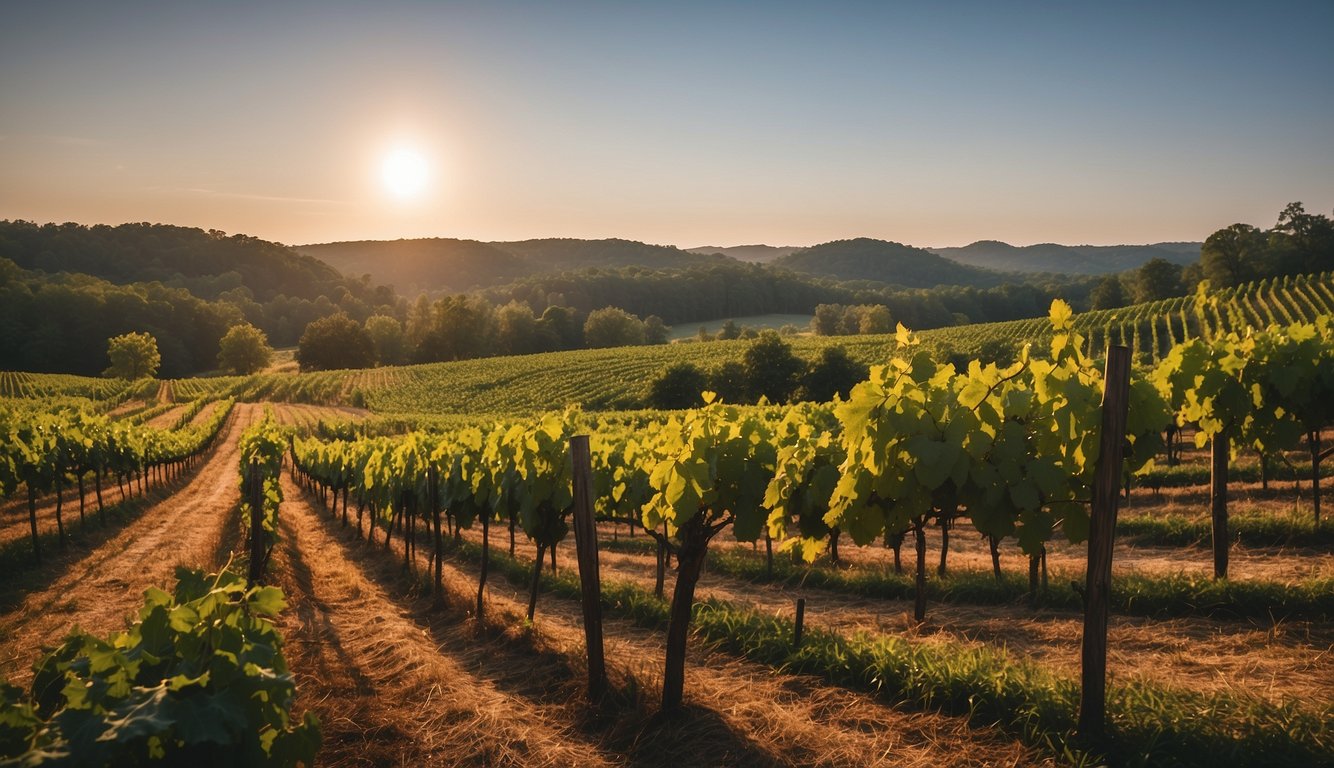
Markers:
900,575
1006,453
1150,330
618,379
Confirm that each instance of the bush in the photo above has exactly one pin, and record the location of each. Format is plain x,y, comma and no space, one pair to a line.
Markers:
678,387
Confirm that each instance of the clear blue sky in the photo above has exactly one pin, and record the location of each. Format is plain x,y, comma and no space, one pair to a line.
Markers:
685,123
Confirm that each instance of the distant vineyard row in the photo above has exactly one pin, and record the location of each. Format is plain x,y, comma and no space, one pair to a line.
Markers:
1151,329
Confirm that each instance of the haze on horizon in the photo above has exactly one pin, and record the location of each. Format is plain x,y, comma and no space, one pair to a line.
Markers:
687,123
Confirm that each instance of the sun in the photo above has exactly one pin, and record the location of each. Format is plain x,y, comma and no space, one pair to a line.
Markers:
405,172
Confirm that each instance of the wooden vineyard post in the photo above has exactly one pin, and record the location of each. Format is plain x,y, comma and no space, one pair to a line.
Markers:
256,487
1102,532
586,548
799,626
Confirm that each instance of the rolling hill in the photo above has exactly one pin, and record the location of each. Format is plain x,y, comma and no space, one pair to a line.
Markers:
759,254
882,261
1067,259
446,265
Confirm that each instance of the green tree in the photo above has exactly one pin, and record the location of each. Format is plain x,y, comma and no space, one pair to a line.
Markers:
462,328
875,318
1301,242
517,330
612,327
560,328
827,319
729,331
678,387
728,380
655,330
332,342
133,356
388,339
1230,256
772,370
244,349
835,373
1109,293
1158,279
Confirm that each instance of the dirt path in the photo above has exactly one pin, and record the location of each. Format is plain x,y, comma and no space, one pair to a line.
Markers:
14,523
740,713
968,551
106,587
1284,661
393,683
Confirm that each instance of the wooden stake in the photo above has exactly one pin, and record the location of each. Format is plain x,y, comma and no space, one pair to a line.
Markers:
1102,531
586,547
800,624
256,523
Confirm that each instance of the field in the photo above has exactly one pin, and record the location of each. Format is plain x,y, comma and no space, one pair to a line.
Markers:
408,652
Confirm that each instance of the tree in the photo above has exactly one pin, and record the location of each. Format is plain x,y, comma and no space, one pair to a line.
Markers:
560,328
656,331
834,374
419,320
729,331
1158,279
133,356
336,341
1301,242
771,368
244,350
875,318
1230,256
728,380
517,330
388,339
827,319
1109,293
462,328
678,387
612,327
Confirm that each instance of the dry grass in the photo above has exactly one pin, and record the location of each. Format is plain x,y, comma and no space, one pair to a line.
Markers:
738,713
1279,661
103,590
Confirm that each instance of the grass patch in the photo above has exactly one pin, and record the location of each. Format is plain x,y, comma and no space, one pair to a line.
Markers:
1251,527
1197,473
1148,724
1134,595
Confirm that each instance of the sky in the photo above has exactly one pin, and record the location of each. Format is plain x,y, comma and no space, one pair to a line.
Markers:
683,123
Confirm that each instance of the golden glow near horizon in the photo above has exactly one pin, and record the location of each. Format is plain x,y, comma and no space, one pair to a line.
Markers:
405,173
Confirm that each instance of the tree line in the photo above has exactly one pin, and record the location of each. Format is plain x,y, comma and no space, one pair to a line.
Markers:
1298,243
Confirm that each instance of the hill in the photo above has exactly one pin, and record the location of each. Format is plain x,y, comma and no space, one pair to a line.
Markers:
424,265
66,288
206,263
885,262
759,254
1067,259
445,265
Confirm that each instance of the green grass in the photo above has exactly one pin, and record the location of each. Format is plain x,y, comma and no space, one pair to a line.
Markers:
1133,595
1252,528
1148,724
